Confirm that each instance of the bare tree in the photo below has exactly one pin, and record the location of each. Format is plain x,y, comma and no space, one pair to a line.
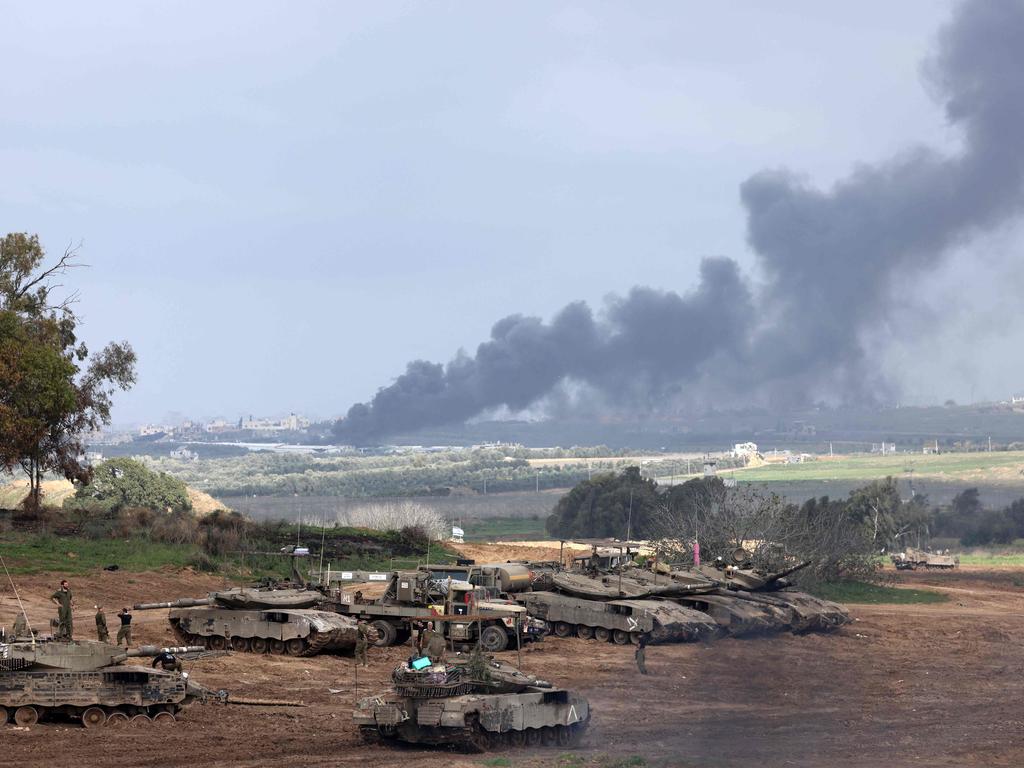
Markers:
396,515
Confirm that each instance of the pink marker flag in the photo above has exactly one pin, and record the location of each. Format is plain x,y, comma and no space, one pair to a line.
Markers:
696,553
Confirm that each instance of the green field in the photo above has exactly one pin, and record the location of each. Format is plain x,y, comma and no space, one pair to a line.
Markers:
863,592
35,553
980,468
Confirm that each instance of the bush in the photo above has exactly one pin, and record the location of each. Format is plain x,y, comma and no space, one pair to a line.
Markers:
123,483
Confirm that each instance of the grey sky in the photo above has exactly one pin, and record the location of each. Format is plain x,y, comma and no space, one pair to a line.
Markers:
283,203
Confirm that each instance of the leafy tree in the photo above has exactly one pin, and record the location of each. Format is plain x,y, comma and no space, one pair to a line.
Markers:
124,483
51,390
606,505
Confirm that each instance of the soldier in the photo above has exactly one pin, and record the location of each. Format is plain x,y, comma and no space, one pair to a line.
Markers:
64,601
362,643
433,645
167,661
101,625
640,654
125,632
20,626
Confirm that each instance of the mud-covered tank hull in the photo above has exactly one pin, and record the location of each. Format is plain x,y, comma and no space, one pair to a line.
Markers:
111,695
740,613
295,632
477,722
621,621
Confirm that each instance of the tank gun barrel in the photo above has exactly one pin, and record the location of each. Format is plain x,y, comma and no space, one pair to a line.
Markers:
185,602
155,650
788,571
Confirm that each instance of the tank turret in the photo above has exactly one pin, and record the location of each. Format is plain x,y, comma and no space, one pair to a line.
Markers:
82,656
473,702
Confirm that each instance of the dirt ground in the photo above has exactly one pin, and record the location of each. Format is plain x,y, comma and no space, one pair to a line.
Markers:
936,685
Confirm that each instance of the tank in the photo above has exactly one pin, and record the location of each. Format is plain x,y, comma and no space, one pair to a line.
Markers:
277,621
620,621
475,703
86,681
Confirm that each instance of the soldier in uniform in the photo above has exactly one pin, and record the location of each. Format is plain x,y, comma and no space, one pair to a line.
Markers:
20,626
64,601
362,643
433,645
125,632
101,625
641,653
167,661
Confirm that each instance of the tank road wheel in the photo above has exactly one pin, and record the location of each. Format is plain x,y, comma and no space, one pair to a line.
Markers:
260,645
277,647
563,735
25,716
3,716
164,718
532,737
218,643
138,720
517,739
634,637
562,629
547,736
620,636
93,717
117,720
240,644
602,634
587,633
494,639
386,634
296,646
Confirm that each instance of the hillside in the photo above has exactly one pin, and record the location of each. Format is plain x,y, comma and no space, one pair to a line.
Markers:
56,492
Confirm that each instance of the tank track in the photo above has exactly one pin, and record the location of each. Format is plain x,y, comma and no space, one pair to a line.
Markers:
316,643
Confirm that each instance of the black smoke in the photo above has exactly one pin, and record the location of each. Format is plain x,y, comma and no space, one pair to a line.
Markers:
828,260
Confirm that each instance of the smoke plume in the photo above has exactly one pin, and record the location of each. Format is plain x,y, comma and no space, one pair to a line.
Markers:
828,262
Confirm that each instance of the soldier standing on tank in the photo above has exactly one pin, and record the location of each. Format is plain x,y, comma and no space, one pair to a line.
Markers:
641,653
102,634
125,632
362,643
64,601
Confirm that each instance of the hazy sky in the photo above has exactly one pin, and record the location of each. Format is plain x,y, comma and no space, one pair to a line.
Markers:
282,203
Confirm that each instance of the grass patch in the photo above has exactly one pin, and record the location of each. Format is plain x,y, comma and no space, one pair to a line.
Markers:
37,553
864,592
492,528
498,762
1006,559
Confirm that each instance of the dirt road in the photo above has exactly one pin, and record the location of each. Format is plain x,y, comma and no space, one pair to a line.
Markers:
936,685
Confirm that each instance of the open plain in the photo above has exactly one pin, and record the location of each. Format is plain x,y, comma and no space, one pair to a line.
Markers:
901,685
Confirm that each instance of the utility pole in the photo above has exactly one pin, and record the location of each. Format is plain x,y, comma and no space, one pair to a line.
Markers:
830,449
537,488
990,443
485,486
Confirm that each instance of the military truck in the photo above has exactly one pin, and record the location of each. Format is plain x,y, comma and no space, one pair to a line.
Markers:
475,703
85,681
468,613
276,621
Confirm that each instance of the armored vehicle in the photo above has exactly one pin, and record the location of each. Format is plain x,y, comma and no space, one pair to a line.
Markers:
84,681
467,612
621,621
475,703
274,621
912,559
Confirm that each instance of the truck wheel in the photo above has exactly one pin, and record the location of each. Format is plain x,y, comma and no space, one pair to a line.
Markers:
494,639
386,634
